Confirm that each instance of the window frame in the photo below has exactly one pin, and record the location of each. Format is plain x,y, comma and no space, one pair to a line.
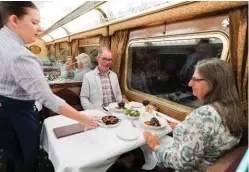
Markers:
223,36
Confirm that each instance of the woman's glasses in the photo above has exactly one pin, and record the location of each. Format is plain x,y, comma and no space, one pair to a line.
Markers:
197,79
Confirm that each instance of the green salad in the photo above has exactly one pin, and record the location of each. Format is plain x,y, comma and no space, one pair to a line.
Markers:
130,112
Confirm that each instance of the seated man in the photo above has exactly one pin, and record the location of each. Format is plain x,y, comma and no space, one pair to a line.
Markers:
84,66
100,87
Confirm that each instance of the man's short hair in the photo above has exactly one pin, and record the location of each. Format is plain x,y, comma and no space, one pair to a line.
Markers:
102,49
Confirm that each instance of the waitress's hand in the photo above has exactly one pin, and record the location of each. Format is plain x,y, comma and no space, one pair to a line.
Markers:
90,122
152,140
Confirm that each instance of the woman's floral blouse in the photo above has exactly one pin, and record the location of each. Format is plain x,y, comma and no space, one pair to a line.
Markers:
198,141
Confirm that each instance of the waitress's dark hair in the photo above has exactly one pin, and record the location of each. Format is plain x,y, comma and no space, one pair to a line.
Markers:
17,8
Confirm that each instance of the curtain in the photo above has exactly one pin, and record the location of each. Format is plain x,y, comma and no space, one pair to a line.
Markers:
239,51
49,50
75,47
52,48
104,41
118,45
64,46
57,49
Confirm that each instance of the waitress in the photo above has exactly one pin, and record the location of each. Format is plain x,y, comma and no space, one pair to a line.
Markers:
22,83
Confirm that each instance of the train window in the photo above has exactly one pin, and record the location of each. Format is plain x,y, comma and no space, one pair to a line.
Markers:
163,68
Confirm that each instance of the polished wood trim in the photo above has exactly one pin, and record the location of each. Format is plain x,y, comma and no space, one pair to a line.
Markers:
76,90
73,86
92,41
65,39
213,22
49,43
65,85
179,13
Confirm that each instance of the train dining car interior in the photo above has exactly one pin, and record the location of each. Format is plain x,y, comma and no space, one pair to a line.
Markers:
156,52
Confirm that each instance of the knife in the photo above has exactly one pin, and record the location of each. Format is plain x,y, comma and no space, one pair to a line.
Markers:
107,111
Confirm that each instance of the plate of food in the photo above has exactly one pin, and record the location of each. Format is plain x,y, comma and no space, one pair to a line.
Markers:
152,122
109,121
117,107
132,113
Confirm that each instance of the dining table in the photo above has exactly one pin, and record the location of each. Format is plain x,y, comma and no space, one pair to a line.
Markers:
97,149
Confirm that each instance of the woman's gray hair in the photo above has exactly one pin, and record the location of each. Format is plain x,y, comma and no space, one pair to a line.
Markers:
223,95
84,59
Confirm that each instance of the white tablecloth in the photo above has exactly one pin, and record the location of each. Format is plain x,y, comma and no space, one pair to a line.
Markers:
38,105
92,151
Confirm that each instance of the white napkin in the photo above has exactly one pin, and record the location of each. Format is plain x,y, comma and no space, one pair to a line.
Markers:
150,156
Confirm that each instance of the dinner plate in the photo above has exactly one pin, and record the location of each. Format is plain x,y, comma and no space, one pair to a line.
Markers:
102,124
113,106
135,104
128,133
161,120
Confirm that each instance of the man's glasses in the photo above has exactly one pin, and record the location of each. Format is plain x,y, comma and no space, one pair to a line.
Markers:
106,59
197,79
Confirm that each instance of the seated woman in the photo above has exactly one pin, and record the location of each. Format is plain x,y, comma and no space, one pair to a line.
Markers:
209,131
84,66
69,69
